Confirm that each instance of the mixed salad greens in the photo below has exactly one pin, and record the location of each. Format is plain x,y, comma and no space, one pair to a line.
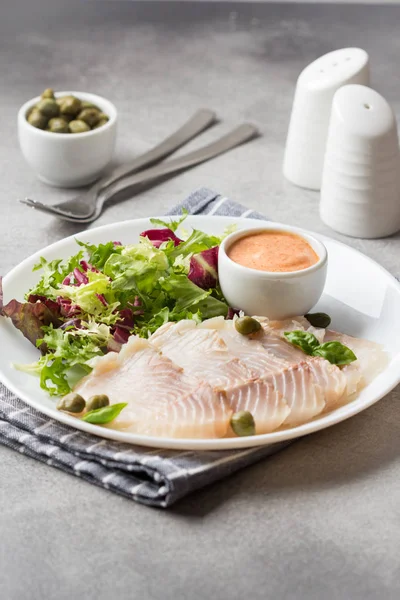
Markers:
90,304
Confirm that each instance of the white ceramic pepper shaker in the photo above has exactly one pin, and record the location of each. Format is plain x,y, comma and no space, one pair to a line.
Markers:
308,128
360,194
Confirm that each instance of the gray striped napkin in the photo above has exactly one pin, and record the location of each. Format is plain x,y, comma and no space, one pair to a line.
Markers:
154,477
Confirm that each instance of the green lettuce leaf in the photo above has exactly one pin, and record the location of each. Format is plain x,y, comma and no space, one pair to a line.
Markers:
98,255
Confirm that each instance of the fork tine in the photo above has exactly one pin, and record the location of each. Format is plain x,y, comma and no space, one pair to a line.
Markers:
40,206
49,210
53,210
28,202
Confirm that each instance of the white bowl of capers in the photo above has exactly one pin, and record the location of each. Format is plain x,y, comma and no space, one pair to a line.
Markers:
67,138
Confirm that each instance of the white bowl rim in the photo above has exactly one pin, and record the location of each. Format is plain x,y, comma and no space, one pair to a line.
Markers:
95,98
314,242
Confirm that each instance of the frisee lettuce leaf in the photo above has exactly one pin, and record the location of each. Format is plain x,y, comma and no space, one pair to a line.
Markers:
54,273
98,255
172,225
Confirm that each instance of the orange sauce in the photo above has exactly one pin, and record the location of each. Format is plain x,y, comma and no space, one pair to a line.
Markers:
275,251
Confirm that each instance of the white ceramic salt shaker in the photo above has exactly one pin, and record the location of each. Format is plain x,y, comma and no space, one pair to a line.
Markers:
360,193
308,128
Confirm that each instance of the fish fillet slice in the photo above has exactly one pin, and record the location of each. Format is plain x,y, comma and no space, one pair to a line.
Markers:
330,378
249,350
371,358
162,399
304,396
203,353
280,348
201,414
170,330
267,406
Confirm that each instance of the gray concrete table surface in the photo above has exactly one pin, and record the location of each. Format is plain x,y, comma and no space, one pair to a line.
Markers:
321,519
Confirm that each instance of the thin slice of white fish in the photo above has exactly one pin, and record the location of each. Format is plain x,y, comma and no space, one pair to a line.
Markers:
330,379
247,348
283,350
203,353
371,358
200,414
305,398
266,404
162,398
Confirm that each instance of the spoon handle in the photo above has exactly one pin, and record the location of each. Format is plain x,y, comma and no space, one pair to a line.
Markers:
200,121
237,136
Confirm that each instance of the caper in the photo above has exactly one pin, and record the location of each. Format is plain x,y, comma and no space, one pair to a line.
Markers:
104,116
48,107
36,119
58,125
67,118
77,126
98,401
90,116
100,123
242,423
48,93
247,325
73,403
62,99
70,106
87,104
321,320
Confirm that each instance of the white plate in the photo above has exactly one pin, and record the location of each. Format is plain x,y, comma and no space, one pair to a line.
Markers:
362,298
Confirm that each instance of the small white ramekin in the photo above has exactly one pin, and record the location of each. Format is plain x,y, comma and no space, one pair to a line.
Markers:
270,294
68,160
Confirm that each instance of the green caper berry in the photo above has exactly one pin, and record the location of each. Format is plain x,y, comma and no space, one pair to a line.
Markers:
100,123
321,320
58,125
48,107
61,99
70,106
36,119
90,116
72,402
87,104
98,401
247,325
243,423
104,116
77,126
48,93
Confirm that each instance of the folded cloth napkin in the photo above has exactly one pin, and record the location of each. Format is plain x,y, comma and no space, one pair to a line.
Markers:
154,477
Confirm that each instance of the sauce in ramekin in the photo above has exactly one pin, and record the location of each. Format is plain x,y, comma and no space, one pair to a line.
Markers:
274,251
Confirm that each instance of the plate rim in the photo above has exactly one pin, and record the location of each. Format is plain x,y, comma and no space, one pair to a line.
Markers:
328,420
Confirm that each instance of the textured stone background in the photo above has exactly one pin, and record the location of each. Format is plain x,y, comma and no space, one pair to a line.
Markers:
320,520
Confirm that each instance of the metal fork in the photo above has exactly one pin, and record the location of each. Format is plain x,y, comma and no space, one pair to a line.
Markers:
134,183
84,205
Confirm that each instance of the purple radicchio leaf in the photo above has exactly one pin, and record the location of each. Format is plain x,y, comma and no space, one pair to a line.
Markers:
204,268
102,299
231,313
80,277
121,335
126,320
158,236
51,304
29,317
67,308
